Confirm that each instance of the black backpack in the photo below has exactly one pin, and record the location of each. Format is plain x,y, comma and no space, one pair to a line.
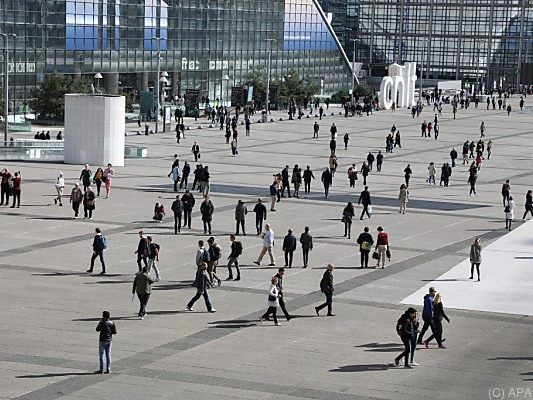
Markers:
238,248
205,256
400,324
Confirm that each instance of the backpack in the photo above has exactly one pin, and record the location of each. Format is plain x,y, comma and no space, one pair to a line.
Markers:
205,256
214,252
238,248
400,325
103,242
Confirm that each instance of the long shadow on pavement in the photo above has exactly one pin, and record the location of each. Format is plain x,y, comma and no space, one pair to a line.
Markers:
54,375
363,368
382,347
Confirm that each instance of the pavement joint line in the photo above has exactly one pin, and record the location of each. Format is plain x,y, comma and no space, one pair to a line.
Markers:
144,358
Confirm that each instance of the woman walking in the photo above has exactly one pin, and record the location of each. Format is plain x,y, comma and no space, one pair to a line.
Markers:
509,213
98,179
297,181
529,204
60,185
76,198
438,316
347,216
403,196
475,258
273,302
108,176
88,203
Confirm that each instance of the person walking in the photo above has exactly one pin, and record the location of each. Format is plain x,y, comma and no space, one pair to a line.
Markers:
215,252
506,192
482,129
327,180
379,161
273,302
142,251
177,209
85,177
306,240
407,174
16,188
207,209
346,139
274,194
240,217
352,175
76,198
509,213
432,171
370,158
279,275
528,205
268,243
382,247
233,258
285,182
326,287
308,175
365,171
202,284
366,201
403,197
88,203
185,175
5,186
406,328
438,316
260,215
289,246
365,242
195,150
99,246
297,181
472,179
142,286
60,186
98,179
188,203
152,253
174,174
475,258
427,314
347,215
453,156
316,128
333,131
332,146
106,329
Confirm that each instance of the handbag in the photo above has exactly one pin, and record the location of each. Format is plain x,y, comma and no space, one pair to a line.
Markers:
366,246
369,209
271,298
375,255
199,155
388,253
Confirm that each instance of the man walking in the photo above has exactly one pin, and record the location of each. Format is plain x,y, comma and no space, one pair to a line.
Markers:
279,275
326,287
506,192
365,200
260,215
327,180
453,156
142,250
142,285
187,201
308,175
99,245
307,245
268,243
407,174
285,182
177,209
207,209
233,258
240,216
427,314
315,130
195,150
76,198
365,242
153,257
289,246
202,284
107,329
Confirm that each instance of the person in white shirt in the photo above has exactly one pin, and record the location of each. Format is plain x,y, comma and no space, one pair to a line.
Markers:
59,185
509,212
268,243
273,302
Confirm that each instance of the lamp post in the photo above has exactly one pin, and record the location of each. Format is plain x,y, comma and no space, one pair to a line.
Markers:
163,82
158,39
268,74
422,70
353,69
98,76
6,37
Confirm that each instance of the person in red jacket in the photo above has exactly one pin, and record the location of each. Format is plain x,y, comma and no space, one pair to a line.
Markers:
17,189
382,246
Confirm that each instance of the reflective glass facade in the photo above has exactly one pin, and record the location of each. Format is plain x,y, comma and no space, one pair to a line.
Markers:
203,42
452,39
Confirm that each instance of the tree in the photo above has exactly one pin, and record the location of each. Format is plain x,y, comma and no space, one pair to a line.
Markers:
48,100
257,79
294,87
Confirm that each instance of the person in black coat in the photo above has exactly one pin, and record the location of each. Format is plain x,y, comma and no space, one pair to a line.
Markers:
364,199
177,209
187,201
260,215
370,158
142,251
326,287
289,246
365,242
406,328
327,180
185,175
285,182
207,209
347,216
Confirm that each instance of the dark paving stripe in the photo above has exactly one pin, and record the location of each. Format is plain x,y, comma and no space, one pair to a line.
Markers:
142,359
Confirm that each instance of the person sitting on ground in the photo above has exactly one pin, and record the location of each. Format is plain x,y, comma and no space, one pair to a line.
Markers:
159,212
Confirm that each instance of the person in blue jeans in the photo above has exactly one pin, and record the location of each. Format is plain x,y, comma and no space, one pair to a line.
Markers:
202,284
107,329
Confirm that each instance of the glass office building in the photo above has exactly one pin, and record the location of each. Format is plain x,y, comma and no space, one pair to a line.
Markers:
205,45
487,40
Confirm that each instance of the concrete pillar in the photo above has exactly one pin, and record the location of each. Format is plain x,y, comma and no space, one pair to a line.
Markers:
111,83
142,81
175,81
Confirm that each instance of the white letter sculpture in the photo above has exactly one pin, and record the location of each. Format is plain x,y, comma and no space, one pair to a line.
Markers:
398,86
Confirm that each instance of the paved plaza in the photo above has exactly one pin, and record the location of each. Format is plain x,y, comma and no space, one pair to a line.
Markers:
50,306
